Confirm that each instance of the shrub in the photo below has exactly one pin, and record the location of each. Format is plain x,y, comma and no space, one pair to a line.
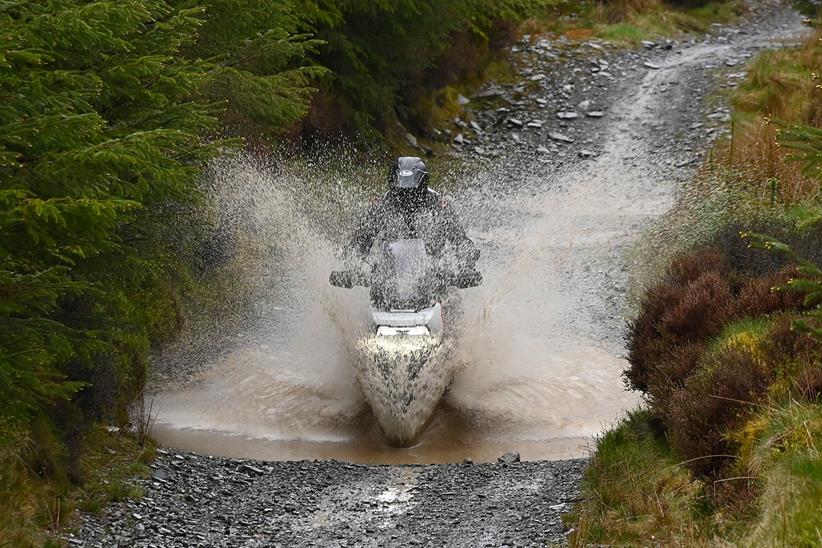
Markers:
730,382
704,353
690,304
759,296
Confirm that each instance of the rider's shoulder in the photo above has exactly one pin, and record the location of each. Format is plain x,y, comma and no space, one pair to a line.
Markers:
437,198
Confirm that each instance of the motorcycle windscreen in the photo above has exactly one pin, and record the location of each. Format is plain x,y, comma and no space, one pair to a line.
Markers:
411,266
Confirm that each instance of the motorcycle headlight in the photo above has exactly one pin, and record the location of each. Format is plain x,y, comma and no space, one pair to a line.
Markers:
416,331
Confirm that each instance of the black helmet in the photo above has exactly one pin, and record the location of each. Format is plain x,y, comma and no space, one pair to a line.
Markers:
408,172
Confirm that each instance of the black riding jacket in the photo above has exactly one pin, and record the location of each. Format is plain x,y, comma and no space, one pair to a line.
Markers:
422,214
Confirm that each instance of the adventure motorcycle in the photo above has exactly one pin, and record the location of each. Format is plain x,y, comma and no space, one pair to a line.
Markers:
402,362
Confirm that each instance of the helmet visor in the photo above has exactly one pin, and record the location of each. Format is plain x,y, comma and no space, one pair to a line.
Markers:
408,178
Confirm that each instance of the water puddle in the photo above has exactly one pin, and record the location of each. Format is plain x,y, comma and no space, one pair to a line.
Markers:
536,368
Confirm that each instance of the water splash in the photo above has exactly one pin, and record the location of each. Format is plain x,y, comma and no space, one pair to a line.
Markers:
403,380
297,367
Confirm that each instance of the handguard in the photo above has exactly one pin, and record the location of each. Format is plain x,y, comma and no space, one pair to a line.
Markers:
348,279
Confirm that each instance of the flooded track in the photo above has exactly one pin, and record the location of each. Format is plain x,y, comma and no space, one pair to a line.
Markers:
554,206
539,362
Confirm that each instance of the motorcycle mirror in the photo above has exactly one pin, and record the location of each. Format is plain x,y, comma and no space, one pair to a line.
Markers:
341,278
470,279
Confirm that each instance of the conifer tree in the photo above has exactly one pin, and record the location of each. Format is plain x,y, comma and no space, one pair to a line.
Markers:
98,125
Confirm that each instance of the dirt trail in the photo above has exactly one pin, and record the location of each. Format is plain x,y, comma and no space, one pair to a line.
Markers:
584,188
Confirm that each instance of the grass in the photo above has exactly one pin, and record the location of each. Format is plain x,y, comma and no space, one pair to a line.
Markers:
635,493
37,503
783,447
783,88
746,332
628,22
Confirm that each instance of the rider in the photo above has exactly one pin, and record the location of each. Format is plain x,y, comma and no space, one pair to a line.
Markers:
412,210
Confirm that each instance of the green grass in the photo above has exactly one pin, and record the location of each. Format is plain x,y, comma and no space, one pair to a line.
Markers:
747,332
634,492
784,447
628,22
36,502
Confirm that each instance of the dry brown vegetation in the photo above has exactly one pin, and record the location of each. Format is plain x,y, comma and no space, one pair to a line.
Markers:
784,88
726,451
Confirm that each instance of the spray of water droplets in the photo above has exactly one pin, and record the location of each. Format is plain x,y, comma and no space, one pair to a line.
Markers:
300,365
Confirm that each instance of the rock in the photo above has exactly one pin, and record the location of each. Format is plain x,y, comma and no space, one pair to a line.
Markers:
535,124
595,114
543,150
476,127
515,122
248,469
411,140
487,94
463,100
651,65
160,475
647,44
567,115
459,139
509,458
584,105
466,460
585,154
562,138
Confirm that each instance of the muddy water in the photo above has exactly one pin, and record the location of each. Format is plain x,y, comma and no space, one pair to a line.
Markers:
531,375
538,368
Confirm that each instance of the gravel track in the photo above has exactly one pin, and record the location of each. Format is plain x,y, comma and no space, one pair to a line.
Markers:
654,127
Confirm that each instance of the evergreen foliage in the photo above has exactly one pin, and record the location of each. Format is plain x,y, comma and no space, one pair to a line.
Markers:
261,51
98,126
379,51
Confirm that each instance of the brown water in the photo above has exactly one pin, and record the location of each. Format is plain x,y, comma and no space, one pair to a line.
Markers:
539,364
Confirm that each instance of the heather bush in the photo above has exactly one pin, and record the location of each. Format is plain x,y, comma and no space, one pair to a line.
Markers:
690,304
729,383
703,350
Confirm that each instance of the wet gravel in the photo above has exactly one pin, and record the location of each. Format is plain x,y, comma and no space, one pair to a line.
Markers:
589,108
195,500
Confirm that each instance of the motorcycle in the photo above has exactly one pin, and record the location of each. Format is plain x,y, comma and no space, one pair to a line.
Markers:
403,360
